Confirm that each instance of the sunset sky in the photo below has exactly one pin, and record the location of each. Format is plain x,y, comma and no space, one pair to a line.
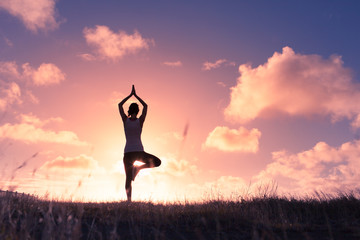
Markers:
241,95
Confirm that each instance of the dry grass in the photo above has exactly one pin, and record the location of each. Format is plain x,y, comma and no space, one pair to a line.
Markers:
27,217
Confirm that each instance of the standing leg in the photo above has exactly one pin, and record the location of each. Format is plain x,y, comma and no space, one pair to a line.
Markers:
128,164
128,187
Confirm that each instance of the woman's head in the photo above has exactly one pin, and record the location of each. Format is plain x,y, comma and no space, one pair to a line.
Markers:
133,108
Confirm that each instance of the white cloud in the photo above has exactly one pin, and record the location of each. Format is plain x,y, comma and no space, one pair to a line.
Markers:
46,74
294,84
114,46
35,14
322,168
10,93
173,64
231,140
218,63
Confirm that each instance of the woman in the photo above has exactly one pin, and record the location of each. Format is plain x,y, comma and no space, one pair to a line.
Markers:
134,149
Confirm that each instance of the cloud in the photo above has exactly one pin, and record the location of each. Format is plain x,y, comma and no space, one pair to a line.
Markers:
35,14
356,122
79,162
31,97
232,140
10,93
87,57
8,42
322,168
218,63
173,64
114,46
9,69
170,136
34,120
170,167
46,74
294,84
30,131
178,168
221,84
225,188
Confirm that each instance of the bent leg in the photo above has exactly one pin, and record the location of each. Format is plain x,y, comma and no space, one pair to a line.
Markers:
149,160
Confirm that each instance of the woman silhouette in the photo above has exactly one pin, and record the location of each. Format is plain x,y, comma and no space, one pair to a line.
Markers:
134,149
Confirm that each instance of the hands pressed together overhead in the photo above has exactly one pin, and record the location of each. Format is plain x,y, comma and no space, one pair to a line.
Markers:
133,92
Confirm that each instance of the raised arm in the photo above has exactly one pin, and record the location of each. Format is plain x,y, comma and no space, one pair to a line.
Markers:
144,111
121,109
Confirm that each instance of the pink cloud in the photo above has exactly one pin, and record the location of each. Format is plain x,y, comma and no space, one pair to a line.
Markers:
221,84
173,64
46,74
87,57
322,168
79,162
34,120
178,168
35,14
170,167
9,69
114,46
30,131
225,188
10,93
218,63
31,97
294,84
231,140
8,42
356,122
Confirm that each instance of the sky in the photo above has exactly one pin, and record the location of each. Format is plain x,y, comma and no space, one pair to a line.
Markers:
245,97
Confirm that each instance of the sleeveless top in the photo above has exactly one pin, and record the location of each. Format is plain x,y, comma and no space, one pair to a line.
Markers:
133,136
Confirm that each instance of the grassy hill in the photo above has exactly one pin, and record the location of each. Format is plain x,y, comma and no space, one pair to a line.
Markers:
27,217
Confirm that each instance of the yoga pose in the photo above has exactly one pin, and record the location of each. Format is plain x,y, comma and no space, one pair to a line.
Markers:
134,150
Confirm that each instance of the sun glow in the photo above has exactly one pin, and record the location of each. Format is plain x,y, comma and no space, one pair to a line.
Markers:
138,163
